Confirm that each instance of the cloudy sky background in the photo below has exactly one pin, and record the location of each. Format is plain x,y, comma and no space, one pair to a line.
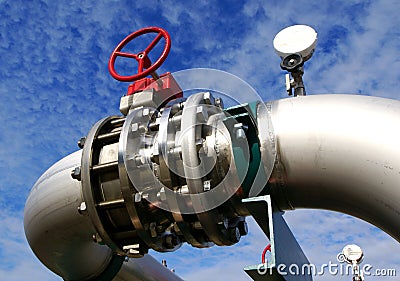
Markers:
55,85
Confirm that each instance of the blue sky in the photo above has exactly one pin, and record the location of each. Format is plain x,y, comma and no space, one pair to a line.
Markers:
55,85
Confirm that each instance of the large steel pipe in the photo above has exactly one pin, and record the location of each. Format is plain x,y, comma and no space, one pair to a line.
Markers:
340,153
62,238
335,152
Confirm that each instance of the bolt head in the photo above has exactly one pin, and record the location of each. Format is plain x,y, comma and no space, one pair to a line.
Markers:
243,228
76,173
234,234
82,208
81,142
240,134
208,98
219,102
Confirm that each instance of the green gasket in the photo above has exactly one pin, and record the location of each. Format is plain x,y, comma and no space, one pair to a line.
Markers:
247,161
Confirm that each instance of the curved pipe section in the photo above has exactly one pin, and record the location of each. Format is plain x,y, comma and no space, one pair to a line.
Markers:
340,153
334,152
145,269
62,238
58,235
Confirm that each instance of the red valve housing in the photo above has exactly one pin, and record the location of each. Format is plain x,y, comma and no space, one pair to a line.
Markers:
166,87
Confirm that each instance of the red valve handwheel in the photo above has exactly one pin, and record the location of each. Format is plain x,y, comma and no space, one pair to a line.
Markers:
145,67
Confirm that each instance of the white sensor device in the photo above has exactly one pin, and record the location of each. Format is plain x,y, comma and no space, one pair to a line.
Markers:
301,39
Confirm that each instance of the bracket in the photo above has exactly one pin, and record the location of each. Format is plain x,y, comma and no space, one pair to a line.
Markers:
288,262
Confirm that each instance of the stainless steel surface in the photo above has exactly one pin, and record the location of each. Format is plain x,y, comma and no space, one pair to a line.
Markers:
171,157
340,153
62,238
135,150
92,186
145,269
58,235
166,143
267,140
335,152
191,127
